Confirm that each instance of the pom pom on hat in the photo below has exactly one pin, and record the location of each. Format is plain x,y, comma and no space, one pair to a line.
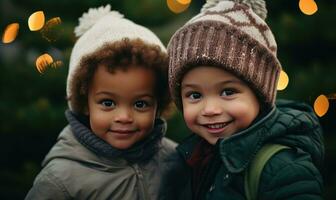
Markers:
258,6
98,28
91,17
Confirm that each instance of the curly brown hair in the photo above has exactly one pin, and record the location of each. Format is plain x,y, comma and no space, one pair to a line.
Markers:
121,54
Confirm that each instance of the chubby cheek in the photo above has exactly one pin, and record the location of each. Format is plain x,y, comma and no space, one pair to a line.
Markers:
244,114
145,121
99,124
146,124
190,116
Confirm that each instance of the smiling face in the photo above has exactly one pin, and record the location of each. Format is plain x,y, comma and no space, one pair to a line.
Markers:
216,104
122,105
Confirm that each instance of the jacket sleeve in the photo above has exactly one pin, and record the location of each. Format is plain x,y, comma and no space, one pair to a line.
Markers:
47,187
290,175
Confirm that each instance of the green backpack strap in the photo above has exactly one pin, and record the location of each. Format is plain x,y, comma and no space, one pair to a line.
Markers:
253,172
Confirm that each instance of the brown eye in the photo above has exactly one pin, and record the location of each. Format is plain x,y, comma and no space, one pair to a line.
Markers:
228,92
141,104
194,95
108,103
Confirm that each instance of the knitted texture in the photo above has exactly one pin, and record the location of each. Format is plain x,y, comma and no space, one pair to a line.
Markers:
138,153
99,27
258,6
232,36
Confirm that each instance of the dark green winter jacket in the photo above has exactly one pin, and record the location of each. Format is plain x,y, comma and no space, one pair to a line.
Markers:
289,174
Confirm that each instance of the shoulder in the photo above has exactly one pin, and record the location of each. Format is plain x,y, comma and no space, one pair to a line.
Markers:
58,170
48,185
291,173
297,114
297,126
287,161
169,156
172,168
167,147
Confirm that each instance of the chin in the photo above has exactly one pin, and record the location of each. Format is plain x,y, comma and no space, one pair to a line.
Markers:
121,146
213,141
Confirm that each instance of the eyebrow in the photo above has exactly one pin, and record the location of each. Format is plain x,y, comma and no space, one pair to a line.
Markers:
113,94
194,85
104,93
145,95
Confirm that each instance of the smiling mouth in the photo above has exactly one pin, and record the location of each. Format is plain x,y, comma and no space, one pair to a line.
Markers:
216,127
123,131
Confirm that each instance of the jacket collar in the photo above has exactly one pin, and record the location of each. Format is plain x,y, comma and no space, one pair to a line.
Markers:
237,151
142,151
289,123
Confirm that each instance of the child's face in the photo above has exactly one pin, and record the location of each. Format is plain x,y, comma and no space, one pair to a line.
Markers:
216,104
122,105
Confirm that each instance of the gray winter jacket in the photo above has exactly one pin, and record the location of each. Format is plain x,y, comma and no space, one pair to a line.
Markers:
71,171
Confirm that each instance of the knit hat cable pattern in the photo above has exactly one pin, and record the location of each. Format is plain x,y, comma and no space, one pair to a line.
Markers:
230,35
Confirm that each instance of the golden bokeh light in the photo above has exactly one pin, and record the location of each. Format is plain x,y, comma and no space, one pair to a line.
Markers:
184,2
56,64
10,33
43,61
283,80
51,30
321,105
308,7
178,6
36,21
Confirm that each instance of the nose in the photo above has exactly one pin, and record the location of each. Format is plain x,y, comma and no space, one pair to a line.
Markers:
123,115
212,107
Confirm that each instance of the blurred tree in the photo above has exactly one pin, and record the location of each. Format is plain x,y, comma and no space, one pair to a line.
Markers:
32,104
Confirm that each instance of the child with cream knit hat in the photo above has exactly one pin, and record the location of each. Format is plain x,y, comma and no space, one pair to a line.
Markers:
114,146
223,73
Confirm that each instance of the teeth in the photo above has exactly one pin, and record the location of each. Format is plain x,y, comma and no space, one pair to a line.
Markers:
216,125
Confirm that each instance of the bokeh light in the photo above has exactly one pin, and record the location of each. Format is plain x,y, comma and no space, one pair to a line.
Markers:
321,105
283,80
308,7
36,21
178,6
56,64
10,33
51,30
43,61
184,2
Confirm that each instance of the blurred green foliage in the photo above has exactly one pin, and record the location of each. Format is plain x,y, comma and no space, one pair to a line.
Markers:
32,105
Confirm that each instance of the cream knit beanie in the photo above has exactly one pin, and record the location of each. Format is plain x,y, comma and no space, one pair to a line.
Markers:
232,35
101,26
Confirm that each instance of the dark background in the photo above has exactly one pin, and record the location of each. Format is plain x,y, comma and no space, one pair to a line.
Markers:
32,105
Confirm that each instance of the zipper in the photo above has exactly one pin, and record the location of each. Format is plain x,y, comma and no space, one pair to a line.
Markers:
142,182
